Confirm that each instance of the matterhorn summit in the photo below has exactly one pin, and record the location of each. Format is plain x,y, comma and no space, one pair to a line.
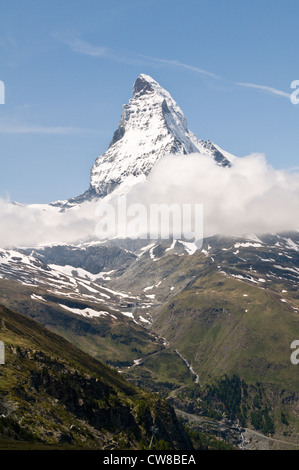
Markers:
152,125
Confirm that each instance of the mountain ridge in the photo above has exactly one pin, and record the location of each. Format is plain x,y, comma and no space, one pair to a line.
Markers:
152,125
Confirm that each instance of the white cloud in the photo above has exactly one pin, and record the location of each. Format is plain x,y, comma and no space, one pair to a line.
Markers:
36,224
249,197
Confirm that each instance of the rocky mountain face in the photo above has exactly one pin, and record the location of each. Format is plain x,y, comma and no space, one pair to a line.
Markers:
152,125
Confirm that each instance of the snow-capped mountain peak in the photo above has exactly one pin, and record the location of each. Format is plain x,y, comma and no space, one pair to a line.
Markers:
145,84
151,126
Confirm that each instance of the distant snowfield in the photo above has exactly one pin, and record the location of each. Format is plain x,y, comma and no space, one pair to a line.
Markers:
86,312
82,273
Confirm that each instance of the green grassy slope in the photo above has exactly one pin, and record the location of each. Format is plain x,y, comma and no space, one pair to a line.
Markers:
51,393
223,326
115,340
226,327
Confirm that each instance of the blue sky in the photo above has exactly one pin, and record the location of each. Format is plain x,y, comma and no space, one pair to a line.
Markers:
68,66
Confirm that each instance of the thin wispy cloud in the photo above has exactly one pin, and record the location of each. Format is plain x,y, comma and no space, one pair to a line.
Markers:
177,63
83,47
28,129
86,48
267,89
263,88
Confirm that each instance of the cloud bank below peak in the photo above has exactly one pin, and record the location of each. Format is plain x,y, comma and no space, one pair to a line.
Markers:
249,197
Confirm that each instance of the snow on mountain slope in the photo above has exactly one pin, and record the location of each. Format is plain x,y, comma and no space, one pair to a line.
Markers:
65,281
152,125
